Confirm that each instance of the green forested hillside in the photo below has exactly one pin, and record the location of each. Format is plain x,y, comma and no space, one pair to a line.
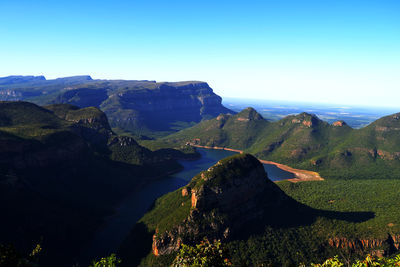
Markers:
305,141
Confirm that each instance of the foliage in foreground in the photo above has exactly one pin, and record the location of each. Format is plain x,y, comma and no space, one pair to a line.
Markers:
110,261
9,257
369,261
202,255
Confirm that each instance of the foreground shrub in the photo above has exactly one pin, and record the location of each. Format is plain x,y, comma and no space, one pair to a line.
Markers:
369,261
202,255
110,261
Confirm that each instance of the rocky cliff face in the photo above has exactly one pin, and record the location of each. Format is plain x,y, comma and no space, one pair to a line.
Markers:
158,109
339,123
378,247
225,199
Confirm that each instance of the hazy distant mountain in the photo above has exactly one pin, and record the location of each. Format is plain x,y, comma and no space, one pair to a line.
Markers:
20,79
141,107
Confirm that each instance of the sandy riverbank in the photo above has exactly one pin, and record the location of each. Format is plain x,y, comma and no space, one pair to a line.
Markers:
300,175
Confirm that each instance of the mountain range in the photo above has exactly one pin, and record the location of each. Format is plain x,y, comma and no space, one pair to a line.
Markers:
142,108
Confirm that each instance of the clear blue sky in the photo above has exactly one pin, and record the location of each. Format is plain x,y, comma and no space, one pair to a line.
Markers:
339,51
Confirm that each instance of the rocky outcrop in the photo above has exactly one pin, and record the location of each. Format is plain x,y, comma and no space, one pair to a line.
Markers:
224,199
373,153
339,123
223,117
91,123
376,246
306,119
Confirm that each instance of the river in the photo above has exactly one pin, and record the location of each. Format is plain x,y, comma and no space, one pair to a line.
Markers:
132,208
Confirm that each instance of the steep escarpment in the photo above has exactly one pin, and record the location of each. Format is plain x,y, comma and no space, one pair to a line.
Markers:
163,107
141,107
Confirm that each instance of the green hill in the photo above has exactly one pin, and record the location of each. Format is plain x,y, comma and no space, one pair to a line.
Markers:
238,131
305,141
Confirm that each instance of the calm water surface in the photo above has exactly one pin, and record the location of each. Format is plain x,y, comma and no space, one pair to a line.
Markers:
117,227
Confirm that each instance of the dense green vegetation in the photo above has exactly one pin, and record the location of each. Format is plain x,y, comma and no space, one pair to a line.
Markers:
367,262
202,255
110,261
216,254
348,212
304,141
369,195
309,243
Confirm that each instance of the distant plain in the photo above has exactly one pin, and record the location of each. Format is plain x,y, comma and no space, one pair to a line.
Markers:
355,116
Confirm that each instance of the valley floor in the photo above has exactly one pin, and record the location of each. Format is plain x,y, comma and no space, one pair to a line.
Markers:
379,196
